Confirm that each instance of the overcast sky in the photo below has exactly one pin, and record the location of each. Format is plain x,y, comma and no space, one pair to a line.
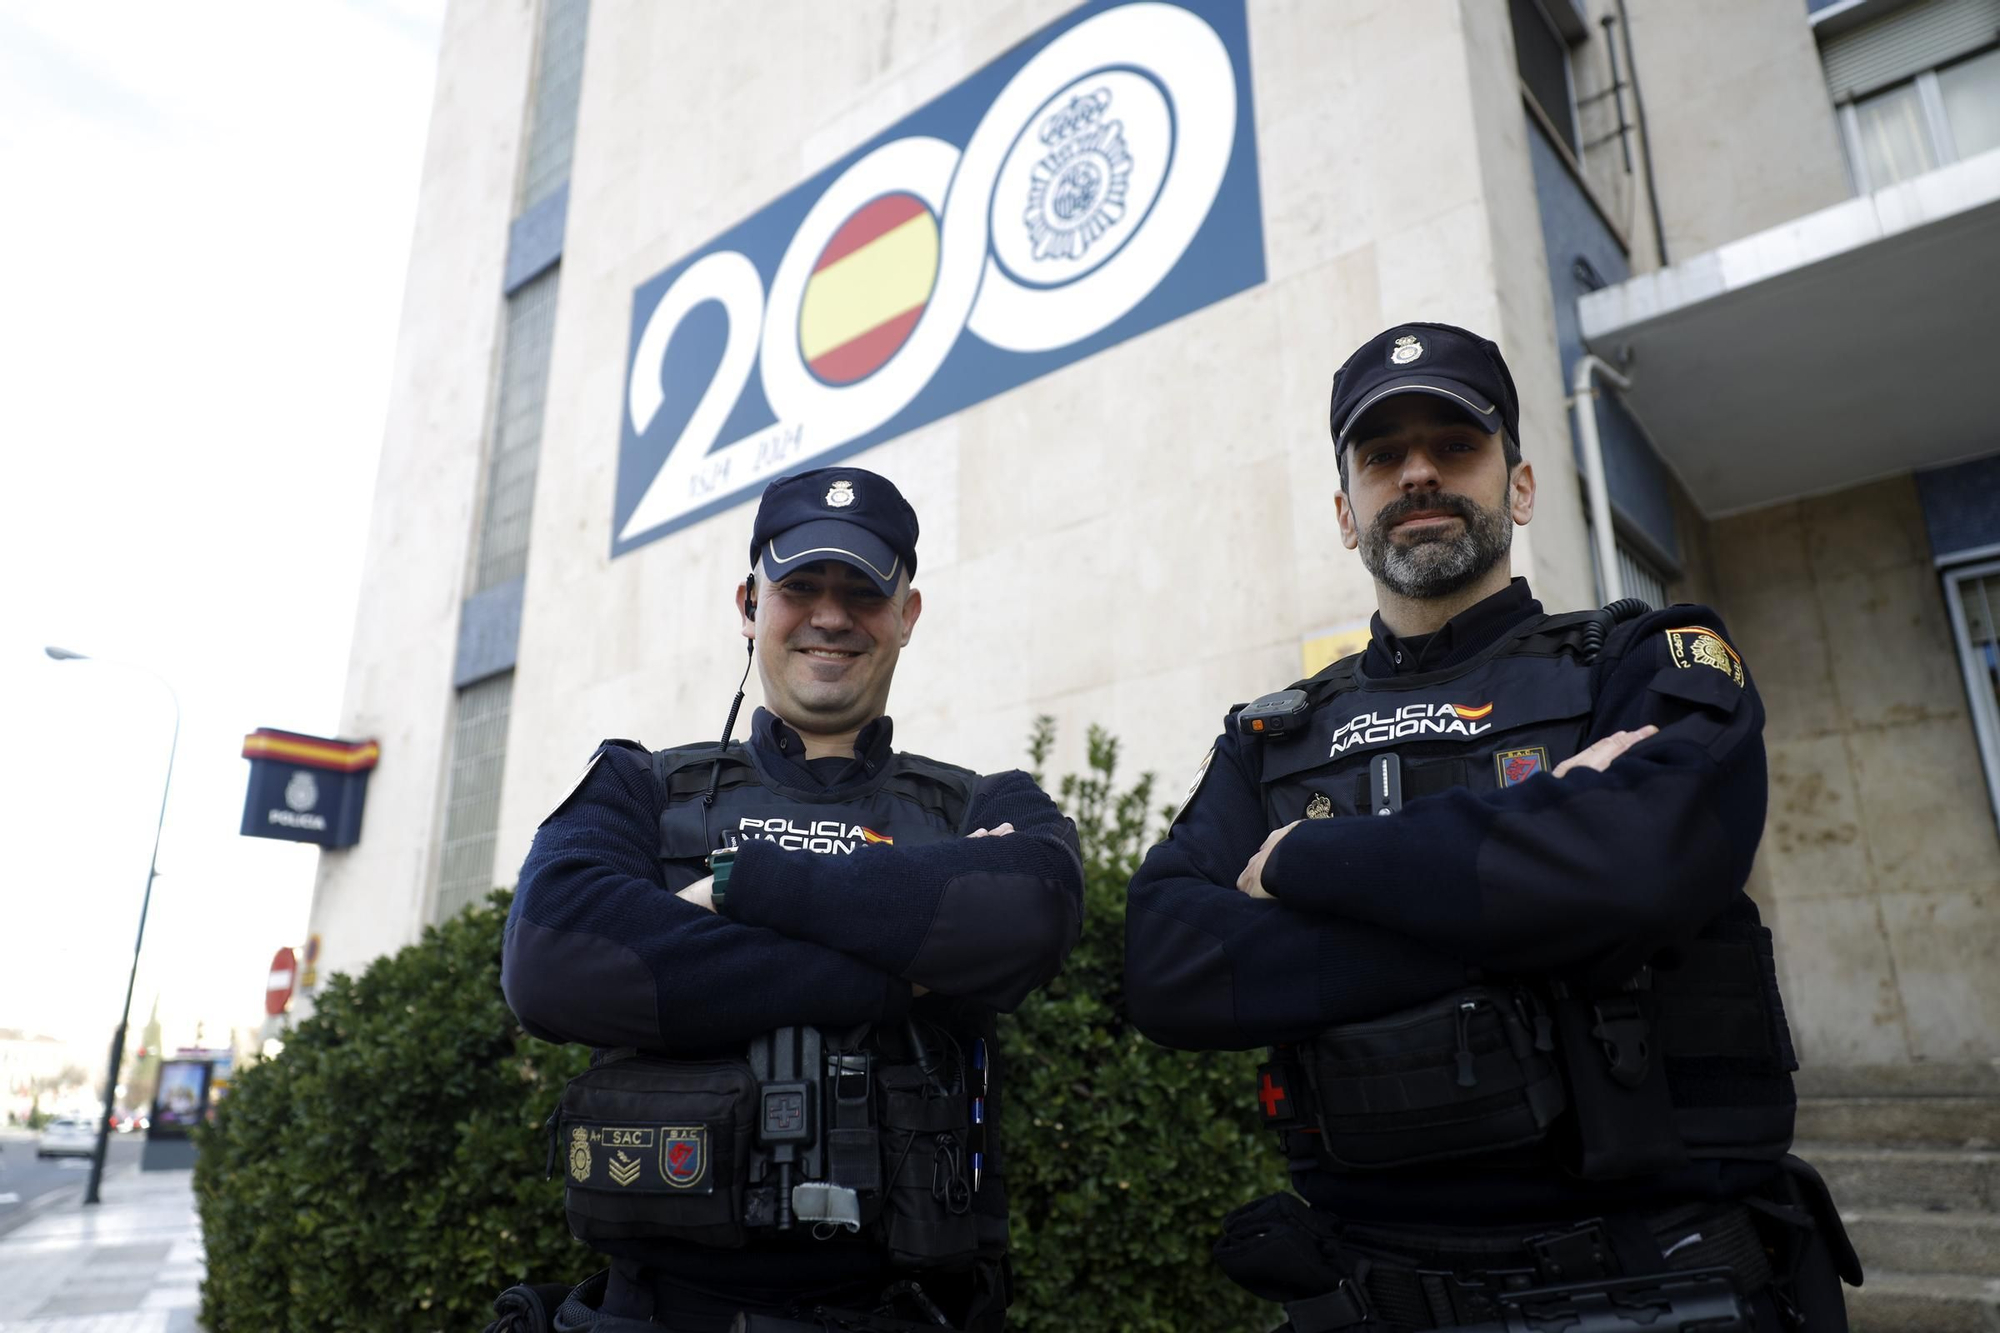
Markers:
206,220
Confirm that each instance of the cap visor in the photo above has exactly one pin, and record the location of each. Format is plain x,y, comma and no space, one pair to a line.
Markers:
1475,405
831,539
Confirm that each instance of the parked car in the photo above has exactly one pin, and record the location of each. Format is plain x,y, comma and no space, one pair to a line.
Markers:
67,1136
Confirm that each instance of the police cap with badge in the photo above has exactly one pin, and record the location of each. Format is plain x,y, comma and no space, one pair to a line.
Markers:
835,513
1442,361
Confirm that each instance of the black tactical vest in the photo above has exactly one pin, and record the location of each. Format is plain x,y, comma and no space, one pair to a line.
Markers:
911,800
1707,1055
703,1151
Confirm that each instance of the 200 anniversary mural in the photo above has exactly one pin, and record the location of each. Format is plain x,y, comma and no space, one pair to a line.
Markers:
1095,182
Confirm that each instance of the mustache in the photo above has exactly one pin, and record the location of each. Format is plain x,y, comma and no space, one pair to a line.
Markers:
1442,502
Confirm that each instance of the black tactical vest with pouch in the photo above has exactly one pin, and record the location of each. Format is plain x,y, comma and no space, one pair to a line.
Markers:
859,1137
1689,1058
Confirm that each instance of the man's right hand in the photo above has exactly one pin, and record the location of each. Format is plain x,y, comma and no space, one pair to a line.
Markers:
1600,755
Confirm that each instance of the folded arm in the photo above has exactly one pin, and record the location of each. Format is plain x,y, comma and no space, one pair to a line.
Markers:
599,951
1208,968
987,919
1594,870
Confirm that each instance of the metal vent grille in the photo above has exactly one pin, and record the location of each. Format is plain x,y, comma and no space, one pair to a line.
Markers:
1973,598
1906,42
517,433
472,797
1640,578
558,83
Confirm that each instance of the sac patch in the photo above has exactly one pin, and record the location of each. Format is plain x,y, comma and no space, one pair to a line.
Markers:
1517,766
641,1159
1695,646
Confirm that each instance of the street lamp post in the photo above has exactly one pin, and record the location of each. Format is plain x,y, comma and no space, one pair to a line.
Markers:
152,871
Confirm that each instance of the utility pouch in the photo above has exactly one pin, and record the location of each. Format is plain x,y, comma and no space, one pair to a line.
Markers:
926,1219
1468,1073
1278,1248
1623,1115
656,1149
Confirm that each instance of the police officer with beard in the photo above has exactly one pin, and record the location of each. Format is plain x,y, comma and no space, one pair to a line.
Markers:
1480,889
789,954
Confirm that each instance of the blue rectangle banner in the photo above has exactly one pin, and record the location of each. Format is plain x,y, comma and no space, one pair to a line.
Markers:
1097,181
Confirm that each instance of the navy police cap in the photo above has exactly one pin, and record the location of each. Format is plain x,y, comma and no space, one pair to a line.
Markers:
1441,360
836,513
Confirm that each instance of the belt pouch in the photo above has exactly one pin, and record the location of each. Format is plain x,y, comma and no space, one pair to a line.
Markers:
1623,1121
1465,1074
926,1219
657,1149
1278,1249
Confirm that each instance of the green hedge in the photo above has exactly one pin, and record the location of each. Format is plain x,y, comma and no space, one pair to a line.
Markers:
386,1171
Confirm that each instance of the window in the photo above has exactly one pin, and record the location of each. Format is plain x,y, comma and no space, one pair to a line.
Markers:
1941,116
1970,93
558,84
517,432
1640,577
1973,598
1543,58
1917,88
472,796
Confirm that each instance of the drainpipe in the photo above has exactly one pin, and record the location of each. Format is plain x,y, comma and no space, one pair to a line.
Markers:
1583,399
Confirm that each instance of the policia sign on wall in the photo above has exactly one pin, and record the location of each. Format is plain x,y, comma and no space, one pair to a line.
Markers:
1097,181
306,788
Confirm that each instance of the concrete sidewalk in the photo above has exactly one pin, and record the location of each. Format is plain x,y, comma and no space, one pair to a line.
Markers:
131,1264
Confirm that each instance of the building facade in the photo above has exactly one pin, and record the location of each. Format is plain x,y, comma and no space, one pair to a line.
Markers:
1077,279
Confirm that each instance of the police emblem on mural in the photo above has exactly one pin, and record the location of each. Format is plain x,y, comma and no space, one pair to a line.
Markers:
302,793
579,1154
1098,180
1077,191
1513,766
1405,350
684,1155
1697,646
840,494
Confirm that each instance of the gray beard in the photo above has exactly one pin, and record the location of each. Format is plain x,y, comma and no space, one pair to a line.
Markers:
1441,565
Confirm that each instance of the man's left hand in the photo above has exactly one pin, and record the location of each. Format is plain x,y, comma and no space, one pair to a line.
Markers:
1251,881
701,893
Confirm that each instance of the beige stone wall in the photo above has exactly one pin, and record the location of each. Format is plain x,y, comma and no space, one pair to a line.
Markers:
1880,868
1137,540
374,897
1743,131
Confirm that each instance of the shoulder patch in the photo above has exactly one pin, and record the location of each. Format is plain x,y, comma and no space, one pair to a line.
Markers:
596,757
1200,775
1694,646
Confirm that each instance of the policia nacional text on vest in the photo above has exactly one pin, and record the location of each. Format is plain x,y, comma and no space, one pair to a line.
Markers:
1689,1057
870,1140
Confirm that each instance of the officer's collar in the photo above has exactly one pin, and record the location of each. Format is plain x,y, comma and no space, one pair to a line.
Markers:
1459,638
778,740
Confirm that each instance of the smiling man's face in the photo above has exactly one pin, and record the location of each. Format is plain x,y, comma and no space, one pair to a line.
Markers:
827,643
1428,497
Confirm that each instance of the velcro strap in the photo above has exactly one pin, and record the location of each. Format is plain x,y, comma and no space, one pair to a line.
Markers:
836,1205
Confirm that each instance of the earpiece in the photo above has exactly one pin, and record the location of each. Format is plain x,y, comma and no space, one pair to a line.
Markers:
750,596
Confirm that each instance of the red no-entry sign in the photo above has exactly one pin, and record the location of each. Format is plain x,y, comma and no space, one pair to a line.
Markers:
278,991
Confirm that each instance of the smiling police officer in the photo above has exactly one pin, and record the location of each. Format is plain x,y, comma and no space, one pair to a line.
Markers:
789,954
1480,886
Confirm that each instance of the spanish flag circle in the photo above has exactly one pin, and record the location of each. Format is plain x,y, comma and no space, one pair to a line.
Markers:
868,288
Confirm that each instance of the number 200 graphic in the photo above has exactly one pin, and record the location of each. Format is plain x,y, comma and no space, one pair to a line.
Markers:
1095,182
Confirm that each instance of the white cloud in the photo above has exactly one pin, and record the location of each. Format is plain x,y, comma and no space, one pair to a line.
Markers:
208,222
